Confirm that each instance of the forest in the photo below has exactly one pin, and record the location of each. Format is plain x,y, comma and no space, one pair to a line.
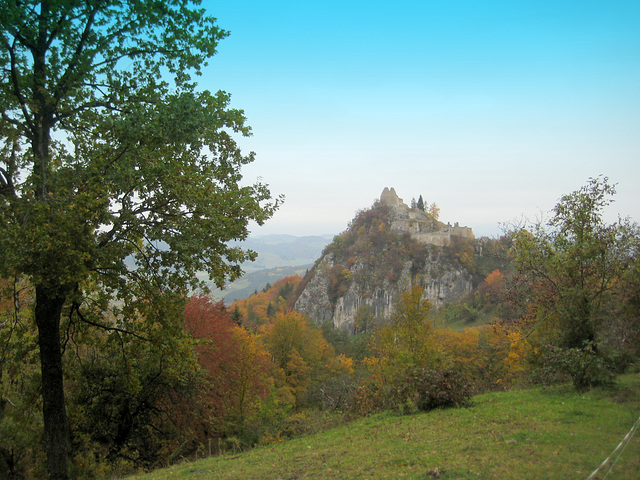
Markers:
231,377
121,185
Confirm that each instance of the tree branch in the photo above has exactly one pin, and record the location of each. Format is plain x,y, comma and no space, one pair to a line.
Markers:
75,307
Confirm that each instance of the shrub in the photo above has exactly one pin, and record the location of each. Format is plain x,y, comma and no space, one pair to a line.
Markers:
368,400
586,367
424,389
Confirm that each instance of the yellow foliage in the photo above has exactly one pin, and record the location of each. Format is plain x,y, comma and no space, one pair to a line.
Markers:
488,356
301,352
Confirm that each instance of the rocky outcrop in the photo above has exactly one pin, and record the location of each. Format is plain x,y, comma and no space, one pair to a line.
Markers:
440,285
386,251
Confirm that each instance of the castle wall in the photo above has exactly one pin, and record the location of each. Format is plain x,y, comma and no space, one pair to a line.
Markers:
418,224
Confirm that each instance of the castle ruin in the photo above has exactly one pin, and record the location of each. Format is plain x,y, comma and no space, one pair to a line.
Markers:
420,225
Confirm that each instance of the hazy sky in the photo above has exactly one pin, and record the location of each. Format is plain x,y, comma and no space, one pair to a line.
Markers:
491,109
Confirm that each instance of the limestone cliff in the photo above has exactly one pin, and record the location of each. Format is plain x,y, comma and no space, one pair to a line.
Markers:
386,250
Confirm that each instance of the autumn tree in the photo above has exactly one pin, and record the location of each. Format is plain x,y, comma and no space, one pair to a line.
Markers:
407,364
572,272
237,368
262,307
408,340
434,210
115,170
301,353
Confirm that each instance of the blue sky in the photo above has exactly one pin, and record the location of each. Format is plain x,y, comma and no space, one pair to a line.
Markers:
491,109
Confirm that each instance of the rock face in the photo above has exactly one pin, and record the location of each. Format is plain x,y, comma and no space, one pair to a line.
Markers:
439,288
346,277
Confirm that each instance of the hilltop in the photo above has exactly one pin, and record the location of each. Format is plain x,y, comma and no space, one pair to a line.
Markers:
386,250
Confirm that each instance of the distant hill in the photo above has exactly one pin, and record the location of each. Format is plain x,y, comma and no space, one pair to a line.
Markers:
278,256
284,250
258,280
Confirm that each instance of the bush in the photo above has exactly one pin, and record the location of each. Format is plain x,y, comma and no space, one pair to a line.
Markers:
424,389
586,367
367,400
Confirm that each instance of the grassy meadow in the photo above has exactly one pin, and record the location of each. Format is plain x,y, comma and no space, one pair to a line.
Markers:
533,433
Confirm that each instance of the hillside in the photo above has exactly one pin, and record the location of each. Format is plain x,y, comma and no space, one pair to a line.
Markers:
386,250
528,434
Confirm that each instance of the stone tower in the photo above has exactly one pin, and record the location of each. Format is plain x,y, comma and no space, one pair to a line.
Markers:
390,197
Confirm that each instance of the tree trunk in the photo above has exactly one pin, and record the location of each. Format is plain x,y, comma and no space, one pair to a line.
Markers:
56,429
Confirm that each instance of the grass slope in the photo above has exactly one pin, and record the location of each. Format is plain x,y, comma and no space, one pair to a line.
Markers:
537,433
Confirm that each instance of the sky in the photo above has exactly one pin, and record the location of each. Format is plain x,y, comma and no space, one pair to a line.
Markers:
491,109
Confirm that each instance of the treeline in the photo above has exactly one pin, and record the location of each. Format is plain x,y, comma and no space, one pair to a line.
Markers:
228,378
231,378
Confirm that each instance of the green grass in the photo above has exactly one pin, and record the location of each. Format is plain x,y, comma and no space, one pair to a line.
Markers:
537,433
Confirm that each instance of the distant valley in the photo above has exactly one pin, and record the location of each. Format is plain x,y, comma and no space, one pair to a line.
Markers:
278,256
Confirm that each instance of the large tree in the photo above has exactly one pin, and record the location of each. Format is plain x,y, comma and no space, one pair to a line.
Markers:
117,176
575,272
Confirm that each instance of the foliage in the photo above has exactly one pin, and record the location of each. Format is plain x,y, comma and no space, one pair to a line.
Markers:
127,399
425,389
116,174
522,434
238,370
302,355
406,344
20,406
262,307
573,274
489,357
344,343
584,366
408,341
461,251
364,320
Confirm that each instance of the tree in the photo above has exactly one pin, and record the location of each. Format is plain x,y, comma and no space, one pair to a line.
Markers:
420,205
132,403
300,352
364,319
407,342
434,210
114,170
573,268
238,369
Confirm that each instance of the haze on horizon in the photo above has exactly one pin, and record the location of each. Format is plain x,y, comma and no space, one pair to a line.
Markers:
493,110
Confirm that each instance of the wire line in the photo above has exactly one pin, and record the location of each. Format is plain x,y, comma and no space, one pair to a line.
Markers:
624,442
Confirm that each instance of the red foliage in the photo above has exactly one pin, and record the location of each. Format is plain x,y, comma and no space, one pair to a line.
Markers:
237,369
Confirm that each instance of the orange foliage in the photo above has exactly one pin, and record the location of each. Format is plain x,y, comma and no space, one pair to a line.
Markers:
254,311
492,284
